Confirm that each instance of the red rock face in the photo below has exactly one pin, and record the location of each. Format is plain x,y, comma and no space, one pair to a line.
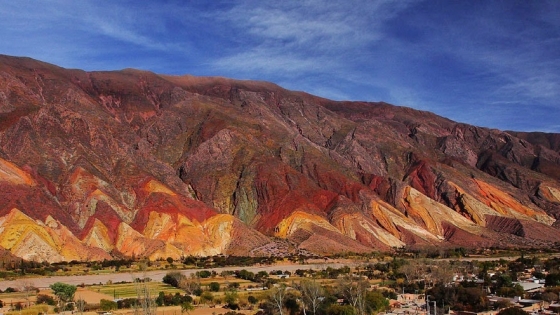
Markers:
135,163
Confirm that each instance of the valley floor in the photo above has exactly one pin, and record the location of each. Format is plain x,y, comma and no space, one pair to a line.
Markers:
157,275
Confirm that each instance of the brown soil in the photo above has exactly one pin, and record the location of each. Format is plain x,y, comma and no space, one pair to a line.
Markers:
91,297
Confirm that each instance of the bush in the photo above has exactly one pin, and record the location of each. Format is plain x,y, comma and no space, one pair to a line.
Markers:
233,285
252,299
45,299
512,311
214,286
127,303
204,274
173,278
206,297
336,309
375,301
107,305
245,275
18,306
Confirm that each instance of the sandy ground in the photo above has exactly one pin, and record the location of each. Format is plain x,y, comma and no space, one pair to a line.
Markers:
91,297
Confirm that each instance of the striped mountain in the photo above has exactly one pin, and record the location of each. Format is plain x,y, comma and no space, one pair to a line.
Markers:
96,165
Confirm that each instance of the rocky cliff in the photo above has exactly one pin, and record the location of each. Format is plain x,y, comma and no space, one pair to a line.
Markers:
101,164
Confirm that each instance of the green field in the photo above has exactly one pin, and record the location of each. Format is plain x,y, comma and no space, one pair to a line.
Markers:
128,290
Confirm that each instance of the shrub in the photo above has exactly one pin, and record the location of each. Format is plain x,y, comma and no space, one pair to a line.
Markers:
512,311
252,299
45,299
127,303
206,297
173,278
107,305
204,274
340,310
214,286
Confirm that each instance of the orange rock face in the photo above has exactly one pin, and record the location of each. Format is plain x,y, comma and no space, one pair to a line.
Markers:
101,164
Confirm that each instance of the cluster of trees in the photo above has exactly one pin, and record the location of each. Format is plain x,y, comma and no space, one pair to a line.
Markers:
64,298
464,297
351,296
134,303
192,284
305,297
552,279
224,261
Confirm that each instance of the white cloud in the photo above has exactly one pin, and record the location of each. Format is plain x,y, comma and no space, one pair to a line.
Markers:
315,36
269,61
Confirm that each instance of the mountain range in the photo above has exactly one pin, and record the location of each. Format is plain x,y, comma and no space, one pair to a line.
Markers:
96,165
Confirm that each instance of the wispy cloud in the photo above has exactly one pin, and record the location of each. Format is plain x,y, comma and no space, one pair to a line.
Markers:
519,55
70,30
316,36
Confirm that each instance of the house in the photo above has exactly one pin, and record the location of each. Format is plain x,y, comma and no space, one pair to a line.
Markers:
530,287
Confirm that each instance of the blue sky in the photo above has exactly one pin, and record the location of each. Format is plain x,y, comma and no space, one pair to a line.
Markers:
489,63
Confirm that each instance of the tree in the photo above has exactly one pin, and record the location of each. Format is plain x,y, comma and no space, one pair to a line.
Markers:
252,299
230,298
552,280
376,302
549,297
173,278
311,293
206,297
354,293
278,296
336,309
291,303
504,280
413,270
460,298
45,299
26,286
226,273
64,292
80,306
204,274
190,285
214,286
160,300
186,307
515,290
512,311
146,304
107,305
442,272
